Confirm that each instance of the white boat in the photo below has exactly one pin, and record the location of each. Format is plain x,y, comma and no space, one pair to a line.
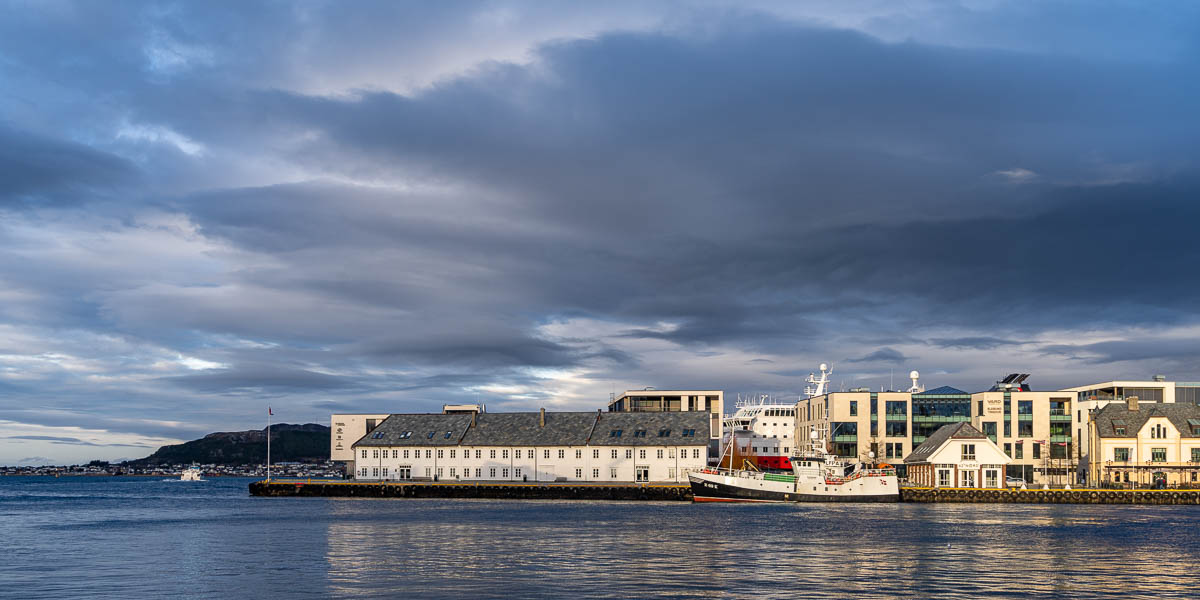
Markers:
816,476
763,428
191,474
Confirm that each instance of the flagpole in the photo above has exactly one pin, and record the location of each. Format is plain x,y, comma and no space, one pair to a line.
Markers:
268,443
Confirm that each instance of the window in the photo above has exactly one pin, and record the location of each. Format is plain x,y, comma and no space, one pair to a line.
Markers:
448,434
1158,454
1120,454
616,433
1007,428
579,454
614,453
688,433
406,454
375,453
1196,455
1025,429
562,453
504,473
628,453
439,472
671,452
1037,450
493,451
854,408
428,472
546,453
1119,431
612,473
517,472
671,473
478,454
968,452
943,477
478,473
595,473
364,453
578,473
641,453
396,453
364,470
596,453
374,471
639,433
1008,450
439,453
896,429
695,453
430,436
451,453
660,453
429,454
492,472
452,474
1020,450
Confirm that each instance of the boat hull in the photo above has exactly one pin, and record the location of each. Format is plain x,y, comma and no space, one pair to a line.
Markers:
716,489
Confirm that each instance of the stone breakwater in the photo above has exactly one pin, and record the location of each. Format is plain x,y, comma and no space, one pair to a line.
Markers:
677,492
1082,496
510,491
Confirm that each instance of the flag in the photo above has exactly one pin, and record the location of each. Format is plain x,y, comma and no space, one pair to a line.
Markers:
269,413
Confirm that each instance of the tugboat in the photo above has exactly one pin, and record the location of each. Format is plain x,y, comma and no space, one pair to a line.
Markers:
817,476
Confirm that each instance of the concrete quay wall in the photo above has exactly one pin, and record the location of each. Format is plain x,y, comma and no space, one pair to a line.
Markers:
1082,496
511,491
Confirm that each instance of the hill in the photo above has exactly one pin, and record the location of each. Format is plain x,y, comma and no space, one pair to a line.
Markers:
289,443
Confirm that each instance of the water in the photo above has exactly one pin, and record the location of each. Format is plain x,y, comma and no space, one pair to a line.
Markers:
120,537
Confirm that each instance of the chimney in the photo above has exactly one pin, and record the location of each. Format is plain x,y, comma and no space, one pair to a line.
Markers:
472,418
1133,402
542,423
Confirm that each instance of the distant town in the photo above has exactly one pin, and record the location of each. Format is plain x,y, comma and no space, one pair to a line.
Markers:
100,468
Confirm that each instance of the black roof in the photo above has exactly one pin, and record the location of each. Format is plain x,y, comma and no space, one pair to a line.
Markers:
1118,414
944,433
526,429
945,390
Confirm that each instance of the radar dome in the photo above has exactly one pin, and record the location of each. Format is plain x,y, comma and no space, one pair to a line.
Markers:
914,375
824,367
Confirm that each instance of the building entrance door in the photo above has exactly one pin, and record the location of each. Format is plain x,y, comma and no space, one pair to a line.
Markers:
643,474
968,479
404,472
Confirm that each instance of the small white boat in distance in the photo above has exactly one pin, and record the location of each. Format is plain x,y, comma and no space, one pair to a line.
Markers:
191,474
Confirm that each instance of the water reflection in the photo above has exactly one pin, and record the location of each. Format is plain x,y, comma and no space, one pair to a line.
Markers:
553,549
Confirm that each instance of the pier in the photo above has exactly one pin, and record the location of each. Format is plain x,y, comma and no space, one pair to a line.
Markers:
500,491
332,488
1055,496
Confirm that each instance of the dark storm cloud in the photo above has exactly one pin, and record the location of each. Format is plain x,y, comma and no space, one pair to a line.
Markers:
1176,353
359,208
36,169
973,342
882,355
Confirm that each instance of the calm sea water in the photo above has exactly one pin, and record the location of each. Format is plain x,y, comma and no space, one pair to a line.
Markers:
149,538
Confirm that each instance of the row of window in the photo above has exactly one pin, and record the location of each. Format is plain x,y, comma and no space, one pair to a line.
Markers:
1156,455
406,472
517,453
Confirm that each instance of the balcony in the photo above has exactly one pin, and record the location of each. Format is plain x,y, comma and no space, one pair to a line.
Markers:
846,438
1060,438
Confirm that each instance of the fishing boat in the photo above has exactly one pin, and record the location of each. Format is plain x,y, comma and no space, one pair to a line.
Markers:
816,476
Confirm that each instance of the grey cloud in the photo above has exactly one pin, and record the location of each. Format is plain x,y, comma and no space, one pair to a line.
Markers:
882,355
973,342
35,169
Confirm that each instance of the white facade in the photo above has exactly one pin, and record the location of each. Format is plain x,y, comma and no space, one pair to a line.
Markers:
599,464
345,429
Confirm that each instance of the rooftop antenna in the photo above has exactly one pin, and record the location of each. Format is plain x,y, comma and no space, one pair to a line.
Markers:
916,387
818,387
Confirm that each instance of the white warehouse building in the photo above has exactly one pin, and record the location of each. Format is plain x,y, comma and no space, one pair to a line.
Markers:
535,446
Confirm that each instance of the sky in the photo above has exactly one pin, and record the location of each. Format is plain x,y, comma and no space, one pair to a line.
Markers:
208,208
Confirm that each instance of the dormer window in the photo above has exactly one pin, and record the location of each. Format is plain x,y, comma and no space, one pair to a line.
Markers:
448,434
639,433
616,433
430,436
664,432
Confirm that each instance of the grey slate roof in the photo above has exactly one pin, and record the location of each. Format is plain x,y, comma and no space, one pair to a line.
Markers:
673,424
1177,413
391,432
525,429
943,434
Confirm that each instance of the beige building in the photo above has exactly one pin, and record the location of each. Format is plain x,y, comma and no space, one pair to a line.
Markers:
957,456
1140,444
345,429
654,400
1038,430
